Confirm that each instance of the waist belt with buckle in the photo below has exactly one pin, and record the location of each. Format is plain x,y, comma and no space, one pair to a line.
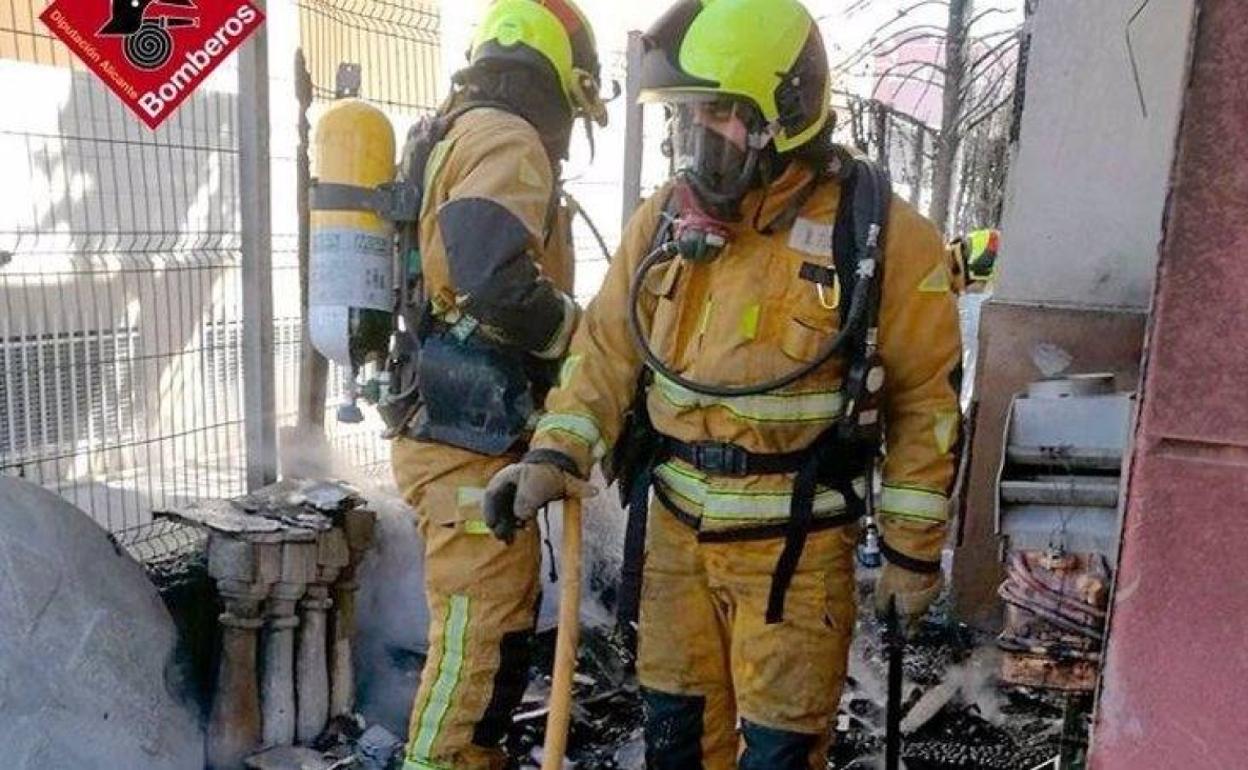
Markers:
823,461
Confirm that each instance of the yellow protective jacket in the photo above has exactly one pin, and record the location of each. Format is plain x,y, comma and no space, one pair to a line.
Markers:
747,317
495,243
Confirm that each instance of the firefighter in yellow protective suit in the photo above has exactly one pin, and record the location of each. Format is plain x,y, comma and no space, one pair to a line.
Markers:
495,321
730,290
973,260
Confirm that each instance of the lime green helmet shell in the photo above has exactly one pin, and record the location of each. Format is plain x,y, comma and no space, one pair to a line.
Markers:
767,52
540,33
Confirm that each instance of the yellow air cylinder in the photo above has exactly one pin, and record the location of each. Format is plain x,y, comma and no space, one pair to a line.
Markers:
350,277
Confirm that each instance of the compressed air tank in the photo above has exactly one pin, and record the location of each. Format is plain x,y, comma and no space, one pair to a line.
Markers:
350,280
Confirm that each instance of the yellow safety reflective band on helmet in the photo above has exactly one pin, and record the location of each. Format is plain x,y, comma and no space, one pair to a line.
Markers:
441,695
580,427
979,242
914,504
810,406
741,505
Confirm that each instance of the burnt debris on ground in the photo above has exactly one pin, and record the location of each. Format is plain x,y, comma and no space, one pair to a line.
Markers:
958,717
954,713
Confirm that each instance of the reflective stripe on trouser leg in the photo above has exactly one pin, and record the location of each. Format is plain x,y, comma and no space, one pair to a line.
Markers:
493,588
448,670
683,654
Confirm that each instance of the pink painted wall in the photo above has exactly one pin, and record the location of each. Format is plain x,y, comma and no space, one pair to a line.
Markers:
1175,685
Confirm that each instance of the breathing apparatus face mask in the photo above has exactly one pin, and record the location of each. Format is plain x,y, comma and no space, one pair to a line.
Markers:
714,147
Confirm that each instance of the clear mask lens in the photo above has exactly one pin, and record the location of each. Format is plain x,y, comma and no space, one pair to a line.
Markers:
710,140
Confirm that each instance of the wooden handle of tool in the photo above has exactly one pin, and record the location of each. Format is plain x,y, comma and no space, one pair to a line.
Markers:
560,714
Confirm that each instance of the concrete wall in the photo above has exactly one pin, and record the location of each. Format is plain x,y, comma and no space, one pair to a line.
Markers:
1173,686
1088,187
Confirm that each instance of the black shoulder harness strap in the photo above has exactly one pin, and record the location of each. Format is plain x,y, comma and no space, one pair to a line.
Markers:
848,448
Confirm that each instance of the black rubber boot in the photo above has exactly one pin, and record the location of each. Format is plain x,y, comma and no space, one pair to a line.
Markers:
770,749
673,730
509,684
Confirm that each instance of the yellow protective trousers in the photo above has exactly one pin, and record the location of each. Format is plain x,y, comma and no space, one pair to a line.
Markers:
483,598
707,656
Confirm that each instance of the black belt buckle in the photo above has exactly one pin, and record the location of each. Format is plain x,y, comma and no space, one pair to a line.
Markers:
721,459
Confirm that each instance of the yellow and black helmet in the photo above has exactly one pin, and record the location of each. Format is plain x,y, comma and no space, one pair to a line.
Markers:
545,33
768,53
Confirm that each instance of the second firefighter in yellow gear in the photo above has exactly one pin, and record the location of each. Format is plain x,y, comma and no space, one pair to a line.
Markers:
494,321
973,260
734,672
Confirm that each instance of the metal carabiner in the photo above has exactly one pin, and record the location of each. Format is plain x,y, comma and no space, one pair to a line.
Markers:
836,293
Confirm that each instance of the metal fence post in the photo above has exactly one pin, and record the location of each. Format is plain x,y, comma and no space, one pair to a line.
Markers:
633,120
254,160
920,148
313,368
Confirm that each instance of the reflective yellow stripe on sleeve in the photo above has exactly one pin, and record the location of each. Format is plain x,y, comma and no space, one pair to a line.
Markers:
910,503
579,427
809,406
733,505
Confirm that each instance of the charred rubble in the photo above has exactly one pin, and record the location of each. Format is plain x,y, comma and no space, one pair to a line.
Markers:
955,714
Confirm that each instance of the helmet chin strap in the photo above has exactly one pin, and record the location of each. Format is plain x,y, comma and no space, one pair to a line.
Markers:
585,97
588,104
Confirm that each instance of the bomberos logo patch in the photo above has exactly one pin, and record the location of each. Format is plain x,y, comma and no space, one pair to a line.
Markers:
152,53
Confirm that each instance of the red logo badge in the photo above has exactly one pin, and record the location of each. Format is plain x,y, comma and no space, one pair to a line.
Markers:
152,53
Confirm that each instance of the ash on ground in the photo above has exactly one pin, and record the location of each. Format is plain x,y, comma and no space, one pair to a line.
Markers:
954,713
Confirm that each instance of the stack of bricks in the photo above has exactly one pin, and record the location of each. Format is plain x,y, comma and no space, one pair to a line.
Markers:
284,559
